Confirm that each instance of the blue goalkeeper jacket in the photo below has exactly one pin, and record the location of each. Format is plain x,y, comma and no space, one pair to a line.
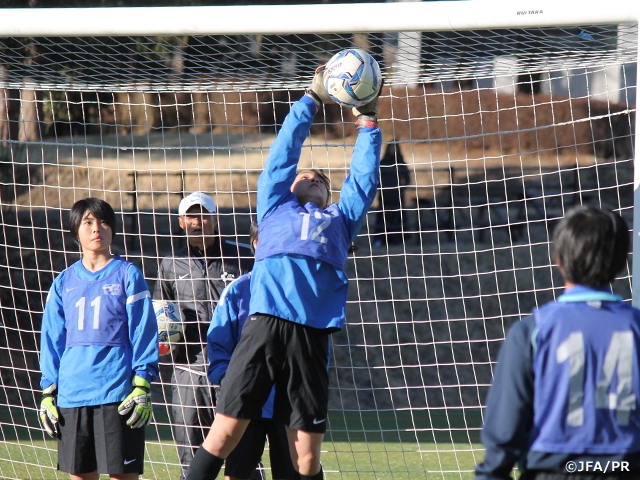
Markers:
308,285
98,331
225,330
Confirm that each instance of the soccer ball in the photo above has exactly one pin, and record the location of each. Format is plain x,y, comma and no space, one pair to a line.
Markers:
352,77
170,326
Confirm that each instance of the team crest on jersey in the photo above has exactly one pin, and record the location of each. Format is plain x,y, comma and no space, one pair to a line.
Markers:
227,277
112,289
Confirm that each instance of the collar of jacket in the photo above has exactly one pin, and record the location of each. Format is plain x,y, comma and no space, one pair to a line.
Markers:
213,251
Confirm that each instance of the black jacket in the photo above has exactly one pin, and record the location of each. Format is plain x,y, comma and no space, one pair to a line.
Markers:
195,284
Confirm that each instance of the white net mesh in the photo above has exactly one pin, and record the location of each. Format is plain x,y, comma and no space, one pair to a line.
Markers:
500,132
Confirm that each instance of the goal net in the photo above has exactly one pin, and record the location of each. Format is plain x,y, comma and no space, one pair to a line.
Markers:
493,130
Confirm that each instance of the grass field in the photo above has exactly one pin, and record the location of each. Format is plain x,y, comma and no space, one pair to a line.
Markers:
341,460
378,445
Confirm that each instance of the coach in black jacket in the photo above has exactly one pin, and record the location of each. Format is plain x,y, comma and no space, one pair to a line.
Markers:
194,278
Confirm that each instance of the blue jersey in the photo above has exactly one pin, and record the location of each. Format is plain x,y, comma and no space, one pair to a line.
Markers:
98,331
225,329
587,379
538,400
299,271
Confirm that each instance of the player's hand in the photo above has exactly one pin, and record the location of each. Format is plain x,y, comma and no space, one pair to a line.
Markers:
368,113
48,410
139,400
317,91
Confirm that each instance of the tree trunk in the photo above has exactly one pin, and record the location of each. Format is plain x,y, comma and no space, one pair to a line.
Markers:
29,128
4,108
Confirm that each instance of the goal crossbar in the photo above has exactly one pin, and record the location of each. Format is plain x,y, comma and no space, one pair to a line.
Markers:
279,19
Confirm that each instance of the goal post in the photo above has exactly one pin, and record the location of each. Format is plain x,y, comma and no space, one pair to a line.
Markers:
327,18
636,201
502,115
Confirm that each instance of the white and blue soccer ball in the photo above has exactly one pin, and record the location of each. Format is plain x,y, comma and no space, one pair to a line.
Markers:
170,326
352,77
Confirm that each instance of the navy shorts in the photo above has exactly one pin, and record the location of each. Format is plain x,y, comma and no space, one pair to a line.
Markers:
98,438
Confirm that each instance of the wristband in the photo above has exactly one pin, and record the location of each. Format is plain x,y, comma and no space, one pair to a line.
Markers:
366,122
314,96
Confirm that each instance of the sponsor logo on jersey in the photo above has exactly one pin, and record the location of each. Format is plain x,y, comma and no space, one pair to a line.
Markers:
182,277
112,289
316,421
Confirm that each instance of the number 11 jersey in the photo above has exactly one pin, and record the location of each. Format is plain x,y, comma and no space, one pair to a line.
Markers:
98,331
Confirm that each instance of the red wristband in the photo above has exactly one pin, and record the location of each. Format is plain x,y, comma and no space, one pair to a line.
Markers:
366,124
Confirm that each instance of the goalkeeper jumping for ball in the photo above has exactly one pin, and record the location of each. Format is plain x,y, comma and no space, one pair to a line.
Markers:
98,354
298,291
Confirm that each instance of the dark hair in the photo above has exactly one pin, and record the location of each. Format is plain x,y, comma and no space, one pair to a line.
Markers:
591,246
323,177
253,235
98,208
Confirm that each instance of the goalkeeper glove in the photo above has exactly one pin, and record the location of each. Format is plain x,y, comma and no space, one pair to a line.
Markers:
367,114
49,410
139,400
317,91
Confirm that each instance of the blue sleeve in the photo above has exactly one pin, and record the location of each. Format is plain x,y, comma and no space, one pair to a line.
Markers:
143,327
360,187
223,335
53,338
279,172
508,418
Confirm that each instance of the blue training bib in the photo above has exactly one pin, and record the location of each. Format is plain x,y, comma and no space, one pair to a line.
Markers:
305,230
587,382
96,312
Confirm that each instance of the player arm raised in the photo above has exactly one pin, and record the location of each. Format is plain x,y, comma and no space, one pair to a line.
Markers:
360,187
279,173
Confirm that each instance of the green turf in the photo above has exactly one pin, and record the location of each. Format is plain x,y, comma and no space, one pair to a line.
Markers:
403,445
341,460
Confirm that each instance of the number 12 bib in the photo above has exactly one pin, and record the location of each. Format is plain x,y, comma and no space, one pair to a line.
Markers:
305,230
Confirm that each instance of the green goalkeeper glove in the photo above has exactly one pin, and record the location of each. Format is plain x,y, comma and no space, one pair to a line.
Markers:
49,410
317,91
139,400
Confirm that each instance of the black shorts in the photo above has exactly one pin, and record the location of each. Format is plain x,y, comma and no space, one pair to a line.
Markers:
245,457
291,356
98,438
